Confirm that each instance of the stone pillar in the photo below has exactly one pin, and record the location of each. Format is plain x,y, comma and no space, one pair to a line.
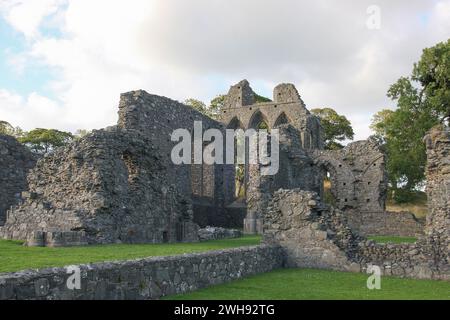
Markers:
438,189
253,221
239,95
286,92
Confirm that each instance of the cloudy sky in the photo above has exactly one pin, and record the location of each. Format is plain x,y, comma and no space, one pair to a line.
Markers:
63,63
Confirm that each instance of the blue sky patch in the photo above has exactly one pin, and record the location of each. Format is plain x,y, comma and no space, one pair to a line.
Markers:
34,77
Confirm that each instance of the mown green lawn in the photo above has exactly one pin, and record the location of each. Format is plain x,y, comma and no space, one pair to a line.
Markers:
14,256
312,284
392,239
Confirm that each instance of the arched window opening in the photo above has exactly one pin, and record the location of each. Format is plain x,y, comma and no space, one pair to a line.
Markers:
282,119
328,196
264,126
240,189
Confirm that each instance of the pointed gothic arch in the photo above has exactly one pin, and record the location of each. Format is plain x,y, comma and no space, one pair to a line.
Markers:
235,123
282,119
257,119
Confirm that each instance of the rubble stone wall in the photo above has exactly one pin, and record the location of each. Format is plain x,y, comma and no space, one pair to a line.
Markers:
312,235
296,170
15,162
385,223
149,278
429,257
287,107
438,189
112,185
358,181
157,117
412,260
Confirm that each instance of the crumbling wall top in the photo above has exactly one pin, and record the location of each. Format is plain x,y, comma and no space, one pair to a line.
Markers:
239,95
286,92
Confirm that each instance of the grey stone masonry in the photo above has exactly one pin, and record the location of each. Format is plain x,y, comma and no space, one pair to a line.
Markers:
240,94
429,257
312,235
386,223
438,189
149,278
111,186
411,260
358,182
216,233
296,170
15,162
287,108
157,117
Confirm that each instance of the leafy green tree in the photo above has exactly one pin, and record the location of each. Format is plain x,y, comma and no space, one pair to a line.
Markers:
198,105
423,100
217,104
337,128
46,140
7,129
80,133
261,99
240,180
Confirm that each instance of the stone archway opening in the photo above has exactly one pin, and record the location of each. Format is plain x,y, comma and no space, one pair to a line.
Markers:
281,120
240,186
328,182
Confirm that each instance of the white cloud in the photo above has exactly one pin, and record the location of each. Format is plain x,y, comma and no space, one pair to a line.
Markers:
27,15
28,113
198,48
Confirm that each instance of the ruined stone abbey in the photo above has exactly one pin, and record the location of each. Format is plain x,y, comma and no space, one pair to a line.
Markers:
119,185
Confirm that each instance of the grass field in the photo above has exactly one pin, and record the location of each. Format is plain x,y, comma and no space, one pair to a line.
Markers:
310,284
417,206
14,256
392,239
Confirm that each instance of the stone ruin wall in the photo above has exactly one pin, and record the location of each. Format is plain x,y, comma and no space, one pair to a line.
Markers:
119,184
157,117
314,235
358,176
207,185
201,189
318,236
359,188
387,223
143,279
311,234
108,187
438,188
299,130
296,170
15,162
359,181
92,191
242,112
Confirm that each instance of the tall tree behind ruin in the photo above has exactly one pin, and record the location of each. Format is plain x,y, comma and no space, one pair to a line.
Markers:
43,141
337,128
423,100
7,129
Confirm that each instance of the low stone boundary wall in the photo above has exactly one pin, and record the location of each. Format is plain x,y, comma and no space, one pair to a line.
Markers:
403,224
229,217
410,260
216,233
148,278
